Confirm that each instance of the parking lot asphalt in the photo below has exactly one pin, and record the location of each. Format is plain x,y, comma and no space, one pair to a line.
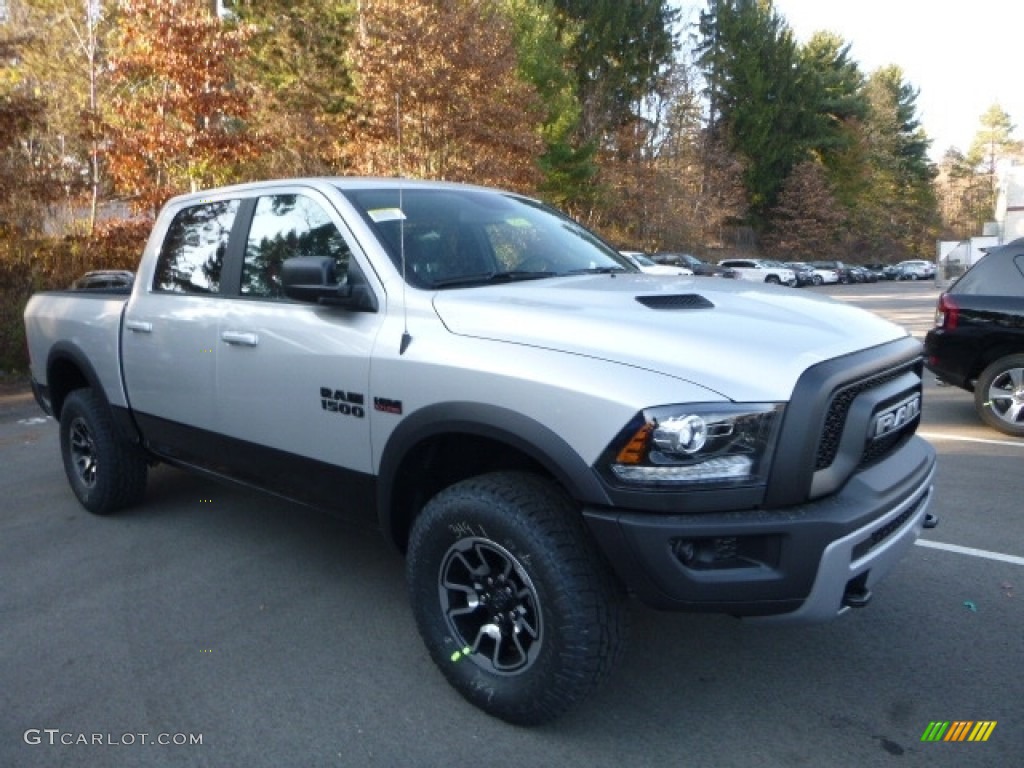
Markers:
274,635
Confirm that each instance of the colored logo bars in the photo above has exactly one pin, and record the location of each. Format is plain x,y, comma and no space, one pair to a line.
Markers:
958,730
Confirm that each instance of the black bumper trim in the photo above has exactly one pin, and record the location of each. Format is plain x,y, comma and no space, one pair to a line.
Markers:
643,548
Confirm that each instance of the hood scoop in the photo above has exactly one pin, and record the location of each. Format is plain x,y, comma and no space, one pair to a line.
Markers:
675,301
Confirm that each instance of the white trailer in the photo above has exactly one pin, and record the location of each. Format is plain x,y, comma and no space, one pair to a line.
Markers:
953,258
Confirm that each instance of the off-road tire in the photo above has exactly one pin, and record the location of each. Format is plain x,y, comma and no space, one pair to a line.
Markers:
515,603
999,395
106,472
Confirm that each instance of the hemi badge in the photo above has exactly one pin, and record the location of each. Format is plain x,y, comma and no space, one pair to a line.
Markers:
387,405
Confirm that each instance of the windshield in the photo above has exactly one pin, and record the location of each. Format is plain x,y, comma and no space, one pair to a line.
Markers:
455,237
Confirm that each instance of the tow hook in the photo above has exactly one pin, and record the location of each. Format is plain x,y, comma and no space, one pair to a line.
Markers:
857,595
930,520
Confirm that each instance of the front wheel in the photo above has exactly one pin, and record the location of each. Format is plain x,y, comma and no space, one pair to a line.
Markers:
999,395
105,471
513,600
773,280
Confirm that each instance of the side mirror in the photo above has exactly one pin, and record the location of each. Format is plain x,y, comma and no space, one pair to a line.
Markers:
314,279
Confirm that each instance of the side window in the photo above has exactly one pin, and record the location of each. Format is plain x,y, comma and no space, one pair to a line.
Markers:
1000,274
283,227
192,254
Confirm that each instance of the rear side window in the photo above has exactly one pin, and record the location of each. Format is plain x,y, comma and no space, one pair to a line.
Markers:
999,274
283,227
192,255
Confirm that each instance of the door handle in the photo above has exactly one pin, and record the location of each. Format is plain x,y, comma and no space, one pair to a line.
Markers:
138,326
240,338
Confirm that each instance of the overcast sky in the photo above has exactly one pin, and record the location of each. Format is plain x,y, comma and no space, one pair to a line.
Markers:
962,56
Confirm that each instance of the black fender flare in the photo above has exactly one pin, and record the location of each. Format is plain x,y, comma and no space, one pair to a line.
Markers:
66,351
503,425
56,392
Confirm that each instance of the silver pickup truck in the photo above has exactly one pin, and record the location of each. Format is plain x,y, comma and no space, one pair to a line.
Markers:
541,429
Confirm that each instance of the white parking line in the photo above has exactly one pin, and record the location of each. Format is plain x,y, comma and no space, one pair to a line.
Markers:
971,551
986,441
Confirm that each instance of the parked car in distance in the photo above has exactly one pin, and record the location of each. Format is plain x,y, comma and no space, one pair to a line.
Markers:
859,274
837,266
644,263
915,269
882,271
761,271
699,267
977,343
804,273
819,275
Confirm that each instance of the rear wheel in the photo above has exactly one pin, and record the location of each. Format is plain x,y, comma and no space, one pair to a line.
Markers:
999,395
773,279
816,280
514,602
105,471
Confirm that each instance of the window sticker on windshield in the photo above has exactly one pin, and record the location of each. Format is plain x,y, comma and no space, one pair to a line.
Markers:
386,214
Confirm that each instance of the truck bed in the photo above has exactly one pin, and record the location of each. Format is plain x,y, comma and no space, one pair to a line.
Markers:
77,320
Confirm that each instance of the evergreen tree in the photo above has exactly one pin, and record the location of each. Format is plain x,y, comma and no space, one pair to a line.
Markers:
619,48
759,95
838,110
898,214
297,67
993,142
543,44
808,219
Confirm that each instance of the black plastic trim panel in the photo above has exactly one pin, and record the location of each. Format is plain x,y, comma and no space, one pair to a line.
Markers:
297,478
796,456
639,545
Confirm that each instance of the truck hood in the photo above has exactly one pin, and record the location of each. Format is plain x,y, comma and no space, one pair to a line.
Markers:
748,343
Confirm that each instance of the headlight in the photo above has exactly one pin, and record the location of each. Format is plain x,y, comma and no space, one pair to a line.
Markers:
694,446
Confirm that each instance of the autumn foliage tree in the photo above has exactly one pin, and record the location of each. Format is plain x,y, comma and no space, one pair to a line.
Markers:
23,173
429,67
64,63
177,122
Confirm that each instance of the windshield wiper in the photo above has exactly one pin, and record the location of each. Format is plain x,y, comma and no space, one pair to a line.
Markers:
490,278
596,271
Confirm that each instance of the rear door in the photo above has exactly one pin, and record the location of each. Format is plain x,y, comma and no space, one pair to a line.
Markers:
171,325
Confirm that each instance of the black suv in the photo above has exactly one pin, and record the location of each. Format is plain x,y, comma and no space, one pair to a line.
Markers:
978,340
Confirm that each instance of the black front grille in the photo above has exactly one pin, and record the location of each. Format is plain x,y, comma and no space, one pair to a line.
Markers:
877,450
839,408
836,408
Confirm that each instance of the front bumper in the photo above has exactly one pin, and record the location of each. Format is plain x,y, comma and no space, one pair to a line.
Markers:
798,564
